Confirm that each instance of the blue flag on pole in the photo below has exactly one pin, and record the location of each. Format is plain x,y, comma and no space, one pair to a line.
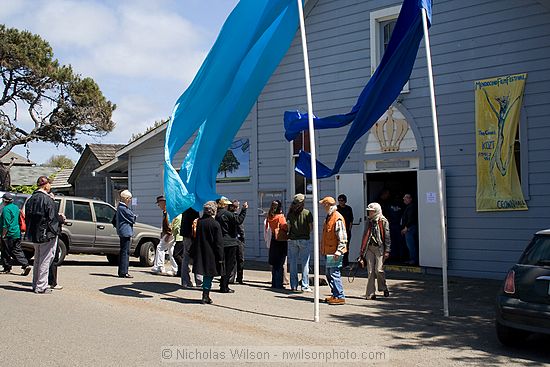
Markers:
252,42
380,92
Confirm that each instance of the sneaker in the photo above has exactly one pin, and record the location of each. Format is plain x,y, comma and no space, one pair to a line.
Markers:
57,287
157,271
328,298
45,291
5,271
26,271
372,297
307,290
336,301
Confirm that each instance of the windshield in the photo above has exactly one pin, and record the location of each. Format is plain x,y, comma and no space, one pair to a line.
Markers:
538,252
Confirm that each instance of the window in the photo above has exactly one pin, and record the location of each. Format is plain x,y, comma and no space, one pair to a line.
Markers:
78,210
382,24
103,213
302,185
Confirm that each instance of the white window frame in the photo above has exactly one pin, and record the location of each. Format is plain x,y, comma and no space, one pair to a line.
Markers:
377,17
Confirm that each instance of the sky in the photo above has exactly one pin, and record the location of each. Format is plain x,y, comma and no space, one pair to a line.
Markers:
142,53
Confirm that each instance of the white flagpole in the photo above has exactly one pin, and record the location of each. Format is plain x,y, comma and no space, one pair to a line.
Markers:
438,166
313,165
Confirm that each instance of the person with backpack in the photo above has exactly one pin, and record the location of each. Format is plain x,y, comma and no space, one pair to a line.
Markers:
42,222
11,237
375,248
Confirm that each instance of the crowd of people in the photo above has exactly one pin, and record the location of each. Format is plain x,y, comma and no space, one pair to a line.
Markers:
42,226
212,245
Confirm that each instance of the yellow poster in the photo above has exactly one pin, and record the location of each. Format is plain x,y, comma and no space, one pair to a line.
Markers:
498,105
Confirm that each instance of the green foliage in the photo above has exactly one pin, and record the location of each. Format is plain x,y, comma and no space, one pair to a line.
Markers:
60,103
229,163
24,189
59,161
157,123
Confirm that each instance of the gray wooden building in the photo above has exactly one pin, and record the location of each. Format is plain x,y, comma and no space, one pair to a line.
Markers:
471,40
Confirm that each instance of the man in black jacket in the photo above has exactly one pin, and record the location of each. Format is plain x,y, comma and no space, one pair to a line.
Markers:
42,222
409,224
229,222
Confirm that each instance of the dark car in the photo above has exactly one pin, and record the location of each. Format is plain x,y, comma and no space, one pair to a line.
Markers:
523,305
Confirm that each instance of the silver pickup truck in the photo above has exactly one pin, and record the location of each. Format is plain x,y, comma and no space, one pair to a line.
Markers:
88,230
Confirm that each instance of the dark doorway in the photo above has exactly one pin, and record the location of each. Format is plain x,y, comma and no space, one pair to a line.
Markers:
388,189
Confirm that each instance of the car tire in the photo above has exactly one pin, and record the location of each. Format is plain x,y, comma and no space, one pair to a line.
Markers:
62,251
510,336
112,259
147,254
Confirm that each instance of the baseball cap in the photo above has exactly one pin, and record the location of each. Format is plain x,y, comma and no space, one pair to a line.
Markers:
225,201
298,198
7,196
161,198
327,200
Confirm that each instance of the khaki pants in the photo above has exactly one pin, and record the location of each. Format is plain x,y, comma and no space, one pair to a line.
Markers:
375,268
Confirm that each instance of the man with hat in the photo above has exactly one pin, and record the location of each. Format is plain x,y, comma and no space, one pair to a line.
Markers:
229,222
42,229
11,237
375,248
166,244
300,225
333,246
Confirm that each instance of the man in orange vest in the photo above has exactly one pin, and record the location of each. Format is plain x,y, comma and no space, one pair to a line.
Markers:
333,246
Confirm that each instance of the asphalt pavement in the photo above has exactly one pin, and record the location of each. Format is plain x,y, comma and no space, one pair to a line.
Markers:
99,319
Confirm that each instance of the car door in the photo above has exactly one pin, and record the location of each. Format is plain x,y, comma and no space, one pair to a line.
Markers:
80,225
106,237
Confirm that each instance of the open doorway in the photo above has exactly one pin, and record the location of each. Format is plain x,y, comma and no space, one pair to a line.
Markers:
388,189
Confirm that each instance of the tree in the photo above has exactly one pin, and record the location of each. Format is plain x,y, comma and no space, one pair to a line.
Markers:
60,103
60,161
229,163
157,123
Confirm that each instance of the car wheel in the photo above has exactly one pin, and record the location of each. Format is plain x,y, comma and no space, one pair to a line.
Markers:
62,251
112,259
510,336
147,254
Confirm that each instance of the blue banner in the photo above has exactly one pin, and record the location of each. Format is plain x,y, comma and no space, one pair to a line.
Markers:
252,42
380,92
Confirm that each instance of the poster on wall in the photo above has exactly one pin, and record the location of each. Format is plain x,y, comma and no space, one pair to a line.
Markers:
235,165
498,104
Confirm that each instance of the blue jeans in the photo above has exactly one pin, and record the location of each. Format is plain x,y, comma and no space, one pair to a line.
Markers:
298,251
335,282
410,238
124,256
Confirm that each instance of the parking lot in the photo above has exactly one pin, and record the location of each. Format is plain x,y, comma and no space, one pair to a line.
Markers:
99,319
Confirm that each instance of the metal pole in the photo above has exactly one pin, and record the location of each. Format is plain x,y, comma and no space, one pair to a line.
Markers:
313,165
438,166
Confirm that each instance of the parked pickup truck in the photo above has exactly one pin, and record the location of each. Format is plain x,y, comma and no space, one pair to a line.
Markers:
88,230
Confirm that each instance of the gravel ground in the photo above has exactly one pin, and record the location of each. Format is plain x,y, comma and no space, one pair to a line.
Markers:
99,319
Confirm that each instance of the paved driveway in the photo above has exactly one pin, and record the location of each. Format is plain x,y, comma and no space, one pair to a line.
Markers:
101,320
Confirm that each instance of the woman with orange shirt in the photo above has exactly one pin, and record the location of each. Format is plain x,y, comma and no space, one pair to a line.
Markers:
278,247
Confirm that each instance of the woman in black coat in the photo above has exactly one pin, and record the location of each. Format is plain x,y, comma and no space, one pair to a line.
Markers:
208,249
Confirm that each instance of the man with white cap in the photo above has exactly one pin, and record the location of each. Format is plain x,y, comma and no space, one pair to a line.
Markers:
333,246
375,248
229,223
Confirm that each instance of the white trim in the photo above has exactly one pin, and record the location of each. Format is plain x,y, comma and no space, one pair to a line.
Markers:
376,17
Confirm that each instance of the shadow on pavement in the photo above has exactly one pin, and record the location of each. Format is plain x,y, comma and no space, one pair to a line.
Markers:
104,275
415,305
16,289
258,313
136,289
